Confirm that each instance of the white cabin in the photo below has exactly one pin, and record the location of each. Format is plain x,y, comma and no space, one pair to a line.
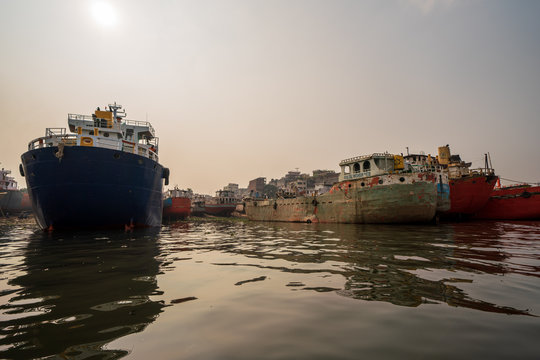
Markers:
7,182
370,165
106,128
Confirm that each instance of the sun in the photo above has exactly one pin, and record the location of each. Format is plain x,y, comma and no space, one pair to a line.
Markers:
104,14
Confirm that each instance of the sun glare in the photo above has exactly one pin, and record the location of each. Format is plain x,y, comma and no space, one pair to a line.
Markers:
104,14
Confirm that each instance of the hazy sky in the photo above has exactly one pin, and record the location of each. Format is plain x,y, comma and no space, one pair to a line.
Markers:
241,89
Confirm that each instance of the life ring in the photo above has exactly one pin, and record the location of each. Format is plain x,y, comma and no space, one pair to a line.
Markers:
87,141
526,194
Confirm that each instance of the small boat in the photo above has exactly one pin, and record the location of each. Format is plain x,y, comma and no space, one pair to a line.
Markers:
105,174
12,200
223,204
176,204
197,205
376,188
517,202
470,189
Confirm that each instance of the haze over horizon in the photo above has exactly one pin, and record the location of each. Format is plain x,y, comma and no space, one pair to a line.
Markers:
242,89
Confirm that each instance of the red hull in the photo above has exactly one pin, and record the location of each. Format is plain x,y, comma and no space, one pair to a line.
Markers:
176,208
470,194
516,203
219,209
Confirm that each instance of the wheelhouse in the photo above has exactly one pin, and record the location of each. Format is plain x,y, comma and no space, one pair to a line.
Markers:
370,165
106,128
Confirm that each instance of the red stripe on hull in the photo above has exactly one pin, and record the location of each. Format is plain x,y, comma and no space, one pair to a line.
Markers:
180,208
470,194
521,203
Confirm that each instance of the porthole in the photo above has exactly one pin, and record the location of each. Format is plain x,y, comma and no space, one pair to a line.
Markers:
362,184
350,185
33,156
380,181
116,156
402,179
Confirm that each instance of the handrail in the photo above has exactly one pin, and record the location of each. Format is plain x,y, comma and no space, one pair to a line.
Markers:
80,117
424,167
488,171
55,131
98,141
124,121
364,157
138,123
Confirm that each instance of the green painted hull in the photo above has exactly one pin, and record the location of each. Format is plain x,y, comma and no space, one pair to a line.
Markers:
362,201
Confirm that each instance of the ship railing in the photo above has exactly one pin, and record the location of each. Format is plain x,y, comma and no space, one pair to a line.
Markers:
90,122
97,123
80,117
425,168
52,140
482,171
141,124
55,131
364,157
97,141
150,141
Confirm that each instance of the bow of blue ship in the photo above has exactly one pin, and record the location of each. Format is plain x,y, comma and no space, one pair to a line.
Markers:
90,187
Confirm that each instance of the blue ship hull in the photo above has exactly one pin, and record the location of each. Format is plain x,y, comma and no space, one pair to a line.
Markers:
93,188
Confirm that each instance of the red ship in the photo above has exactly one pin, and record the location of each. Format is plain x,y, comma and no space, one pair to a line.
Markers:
176,204
518,202
223,204
470,189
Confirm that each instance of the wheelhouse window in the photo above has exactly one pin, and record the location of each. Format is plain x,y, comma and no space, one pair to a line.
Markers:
367,165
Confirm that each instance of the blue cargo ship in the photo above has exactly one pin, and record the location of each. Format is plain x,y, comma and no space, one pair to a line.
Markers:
104,174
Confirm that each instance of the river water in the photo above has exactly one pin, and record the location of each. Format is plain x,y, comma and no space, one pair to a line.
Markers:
232,289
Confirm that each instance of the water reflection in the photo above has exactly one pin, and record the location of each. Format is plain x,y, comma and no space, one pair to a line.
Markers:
402,265
72,294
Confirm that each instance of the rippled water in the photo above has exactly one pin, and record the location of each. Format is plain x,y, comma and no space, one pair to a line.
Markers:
241,290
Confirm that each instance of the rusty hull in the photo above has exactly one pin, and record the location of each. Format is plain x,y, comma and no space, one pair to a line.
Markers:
391,198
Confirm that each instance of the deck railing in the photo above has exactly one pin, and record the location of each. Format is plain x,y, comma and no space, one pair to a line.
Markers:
364,157
96,141
92,122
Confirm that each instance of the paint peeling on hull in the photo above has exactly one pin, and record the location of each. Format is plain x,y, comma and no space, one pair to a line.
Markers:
392,198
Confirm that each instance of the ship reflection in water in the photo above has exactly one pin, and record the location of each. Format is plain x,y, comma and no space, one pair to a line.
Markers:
402,265
289,290
74,294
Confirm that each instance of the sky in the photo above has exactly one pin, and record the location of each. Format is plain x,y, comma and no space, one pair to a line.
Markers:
241,89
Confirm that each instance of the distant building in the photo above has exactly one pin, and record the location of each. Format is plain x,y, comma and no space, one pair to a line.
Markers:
242,193
231,187
292,176
325,177
256,186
